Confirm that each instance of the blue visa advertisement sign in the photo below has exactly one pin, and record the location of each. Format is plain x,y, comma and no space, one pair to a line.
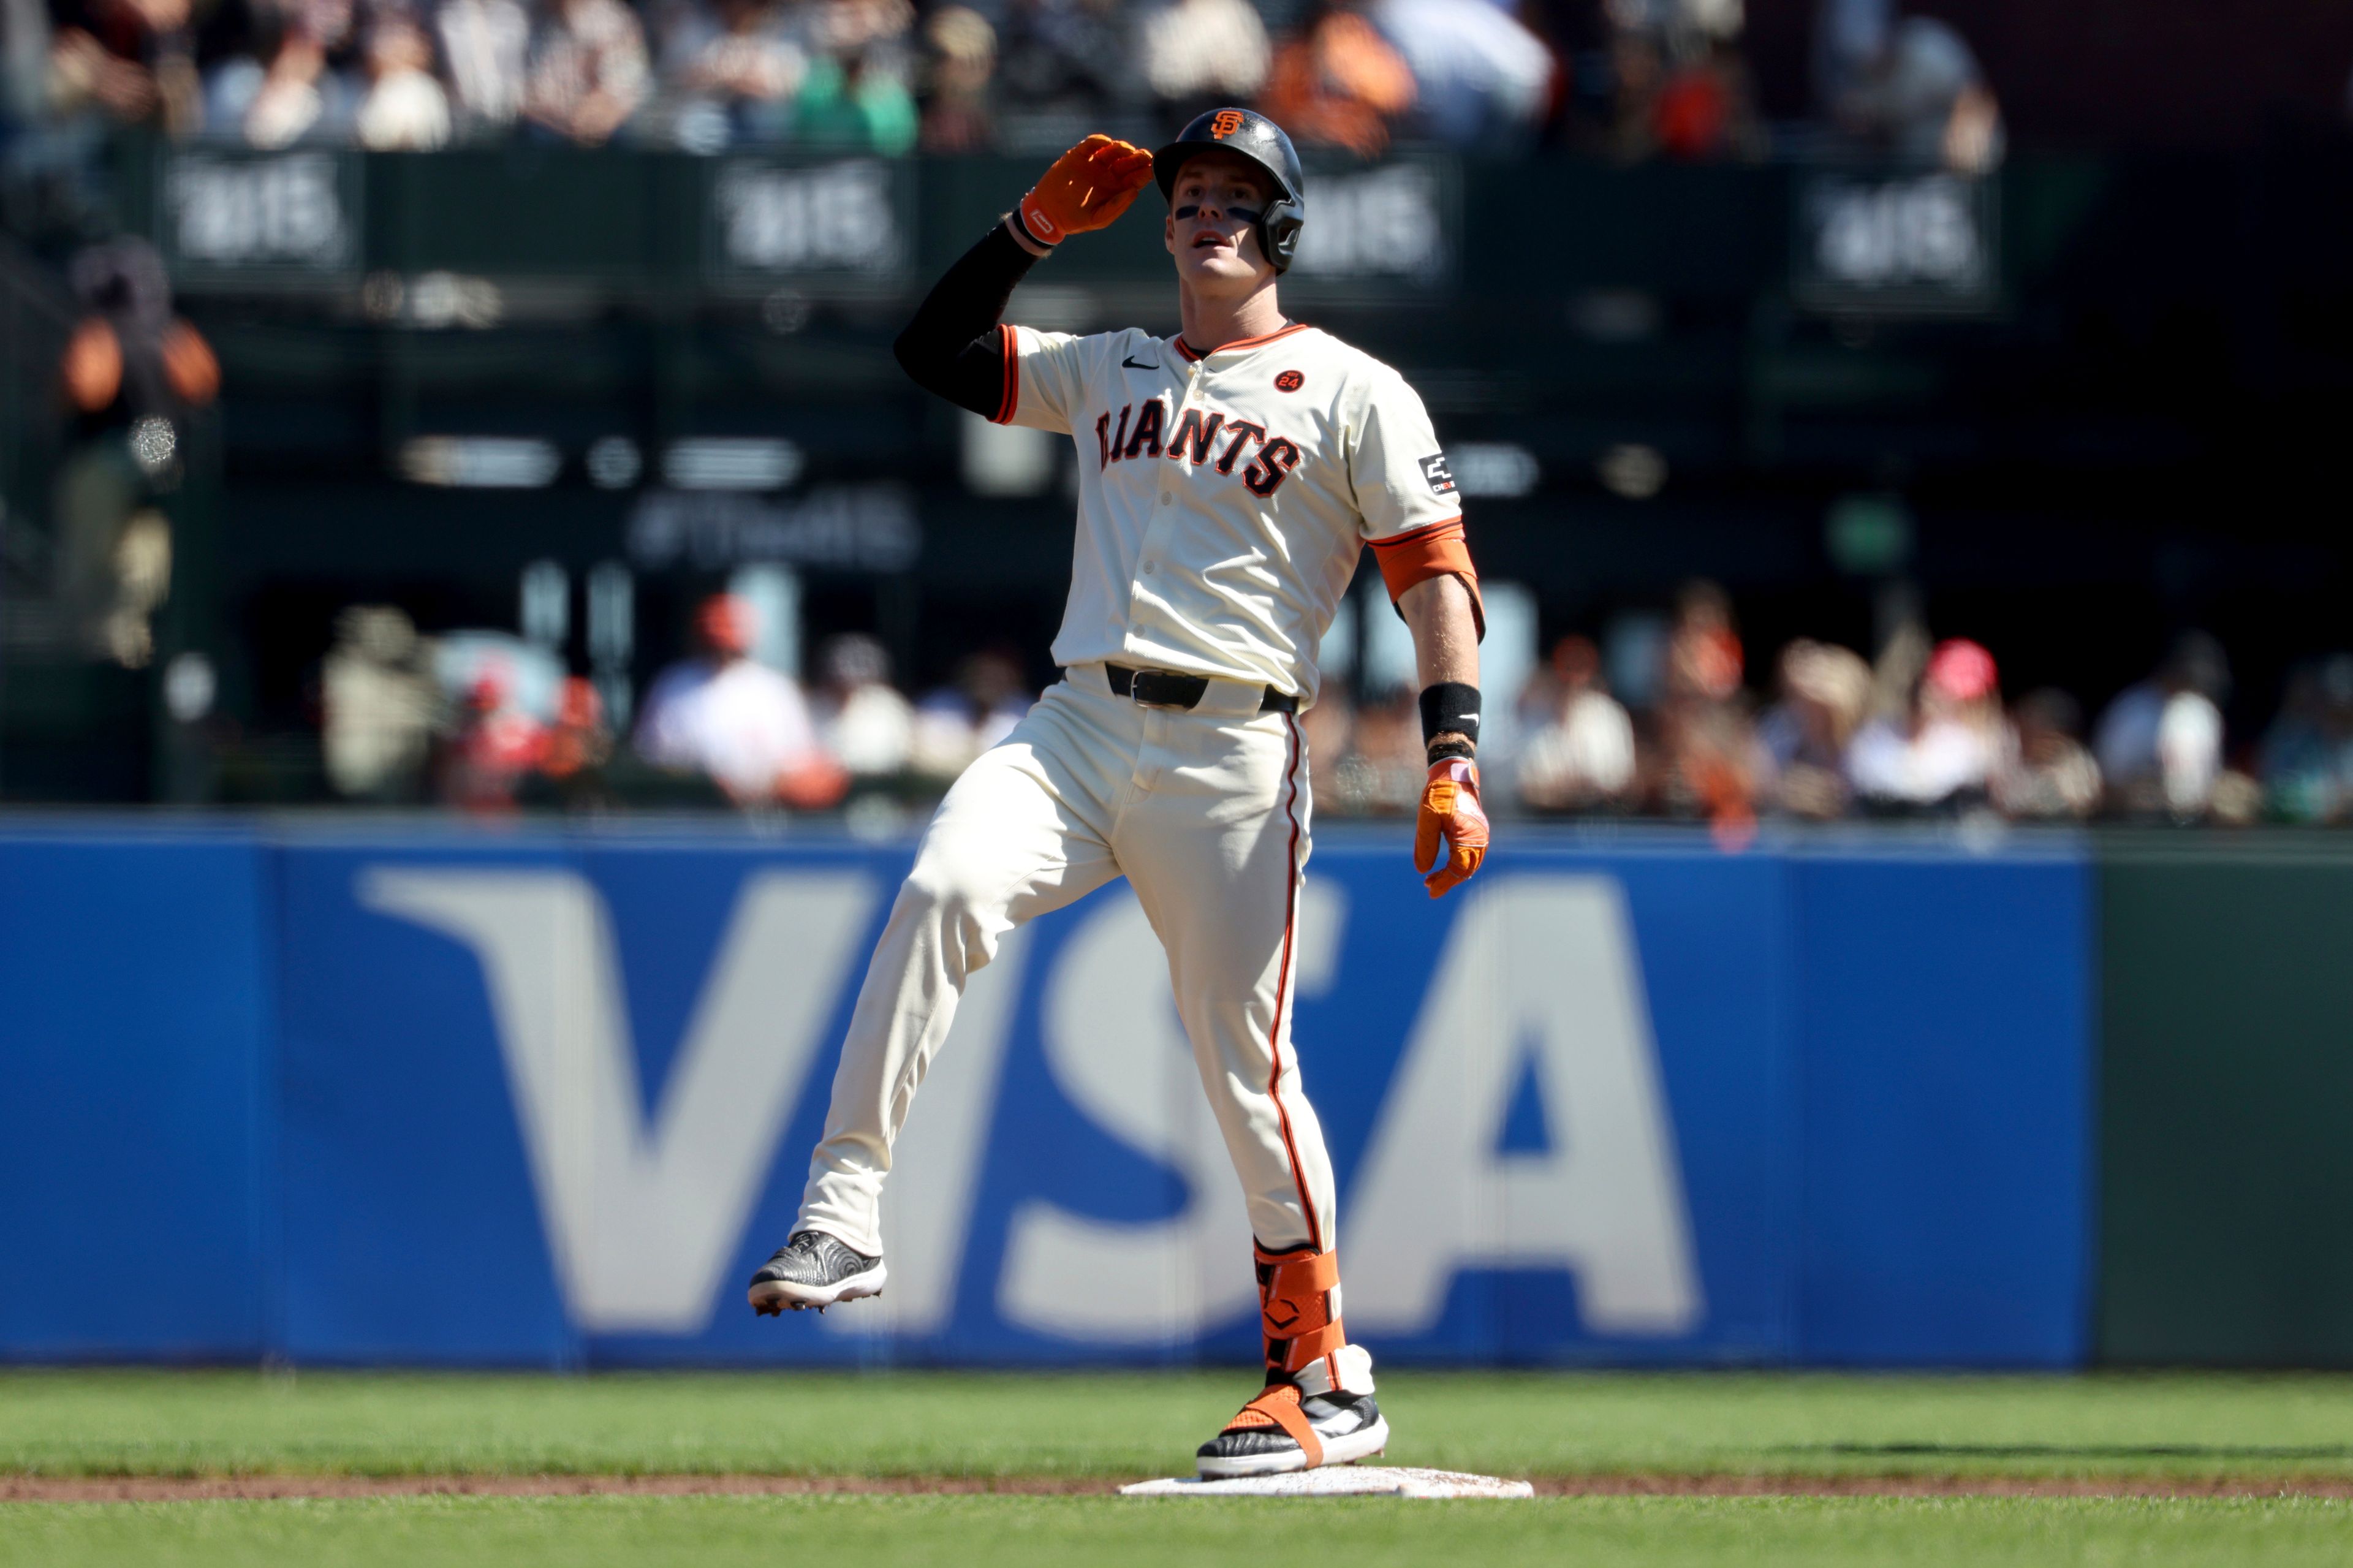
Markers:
548,1100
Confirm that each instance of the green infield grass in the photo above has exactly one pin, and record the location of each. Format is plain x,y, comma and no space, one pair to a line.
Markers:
61,1429
1128,1426
1031,1532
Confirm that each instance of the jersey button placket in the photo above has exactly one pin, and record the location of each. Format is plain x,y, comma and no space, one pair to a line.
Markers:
1150,568
1185,401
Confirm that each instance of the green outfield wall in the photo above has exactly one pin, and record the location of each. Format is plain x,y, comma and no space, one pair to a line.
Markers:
2226,1186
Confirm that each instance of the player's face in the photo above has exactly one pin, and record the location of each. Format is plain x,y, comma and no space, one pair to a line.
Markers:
1211,226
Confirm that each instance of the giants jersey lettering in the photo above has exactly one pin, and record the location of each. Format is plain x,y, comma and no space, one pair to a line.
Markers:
1223,499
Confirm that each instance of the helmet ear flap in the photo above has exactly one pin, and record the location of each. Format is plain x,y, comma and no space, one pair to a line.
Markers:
1278,231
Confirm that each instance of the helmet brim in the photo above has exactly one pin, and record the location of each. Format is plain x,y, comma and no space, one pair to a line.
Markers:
1168,165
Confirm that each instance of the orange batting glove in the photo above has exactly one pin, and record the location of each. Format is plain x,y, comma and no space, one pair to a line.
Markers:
1449,811
1087,188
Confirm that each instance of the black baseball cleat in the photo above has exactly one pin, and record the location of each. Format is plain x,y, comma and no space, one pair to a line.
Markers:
1284,1430
812,1269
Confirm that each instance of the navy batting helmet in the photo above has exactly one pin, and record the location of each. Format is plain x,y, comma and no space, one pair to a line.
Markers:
1255,137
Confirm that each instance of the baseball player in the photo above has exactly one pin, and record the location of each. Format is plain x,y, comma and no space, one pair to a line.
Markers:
1228,478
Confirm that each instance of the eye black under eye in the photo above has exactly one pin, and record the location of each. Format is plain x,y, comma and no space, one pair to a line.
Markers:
1193,210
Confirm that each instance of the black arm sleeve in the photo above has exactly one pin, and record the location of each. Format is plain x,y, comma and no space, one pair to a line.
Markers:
952,346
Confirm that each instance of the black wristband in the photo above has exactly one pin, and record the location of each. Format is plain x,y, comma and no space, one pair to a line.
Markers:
1018,221
1449,706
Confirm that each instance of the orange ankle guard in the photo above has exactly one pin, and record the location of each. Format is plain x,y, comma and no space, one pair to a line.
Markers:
1294,1293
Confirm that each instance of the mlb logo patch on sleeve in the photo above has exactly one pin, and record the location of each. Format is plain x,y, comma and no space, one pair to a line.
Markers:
1440,477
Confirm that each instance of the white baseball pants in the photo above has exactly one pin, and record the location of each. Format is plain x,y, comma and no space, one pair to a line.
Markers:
1205,812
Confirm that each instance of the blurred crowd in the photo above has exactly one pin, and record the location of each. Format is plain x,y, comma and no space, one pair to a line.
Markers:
490,722
1666,723
1921,731
1669,725
1633,79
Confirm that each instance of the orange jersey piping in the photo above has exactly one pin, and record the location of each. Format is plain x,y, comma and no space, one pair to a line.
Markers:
1186,349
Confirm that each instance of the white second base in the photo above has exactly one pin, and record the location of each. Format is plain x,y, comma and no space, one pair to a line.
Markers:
1341,1481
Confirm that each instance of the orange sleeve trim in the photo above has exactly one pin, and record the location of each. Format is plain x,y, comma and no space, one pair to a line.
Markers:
1011,348
1437,550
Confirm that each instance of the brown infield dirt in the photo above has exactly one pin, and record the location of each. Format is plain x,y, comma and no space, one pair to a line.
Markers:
265,1488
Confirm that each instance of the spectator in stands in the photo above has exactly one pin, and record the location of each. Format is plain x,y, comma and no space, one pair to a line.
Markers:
2048,774
957,722
571,770
1940,754
740,722
1910,87
486,44
1706,107
1199,54
1705,767
1802,741
2307,756
1481,79
296,95
405,108
587,71
1706,761
1337,83
494,746
960,51
133,372
849,102
877,29
133,61
1581,757
379,706
1064,68
735,71
578,744
2159,744
864,721
1681,87
278,75
1704,657
129,357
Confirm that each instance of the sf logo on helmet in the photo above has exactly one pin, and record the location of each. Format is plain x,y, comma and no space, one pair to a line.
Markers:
1228,121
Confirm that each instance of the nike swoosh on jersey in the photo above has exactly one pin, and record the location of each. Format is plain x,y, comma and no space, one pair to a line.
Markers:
1139,365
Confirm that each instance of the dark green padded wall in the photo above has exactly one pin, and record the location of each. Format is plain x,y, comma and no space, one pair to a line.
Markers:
2227,1105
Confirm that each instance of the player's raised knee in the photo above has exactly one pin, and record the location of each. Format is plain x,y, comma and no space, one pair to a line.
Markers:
949,885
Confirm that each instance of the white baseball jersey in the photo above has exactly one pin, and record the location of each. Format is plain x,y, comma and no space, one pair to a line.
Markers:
1223,502
1224,499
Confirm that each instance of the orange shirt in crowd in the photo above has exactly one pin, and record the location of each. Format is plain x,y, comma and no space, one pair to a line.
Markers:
1338,85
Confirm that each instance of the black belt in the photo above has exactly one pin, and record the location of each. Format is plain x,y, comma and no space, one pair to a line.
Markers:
1166,688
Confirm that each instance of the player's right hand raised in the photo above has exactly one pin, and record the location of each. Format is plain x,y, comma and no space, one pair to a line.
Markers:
1087,188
